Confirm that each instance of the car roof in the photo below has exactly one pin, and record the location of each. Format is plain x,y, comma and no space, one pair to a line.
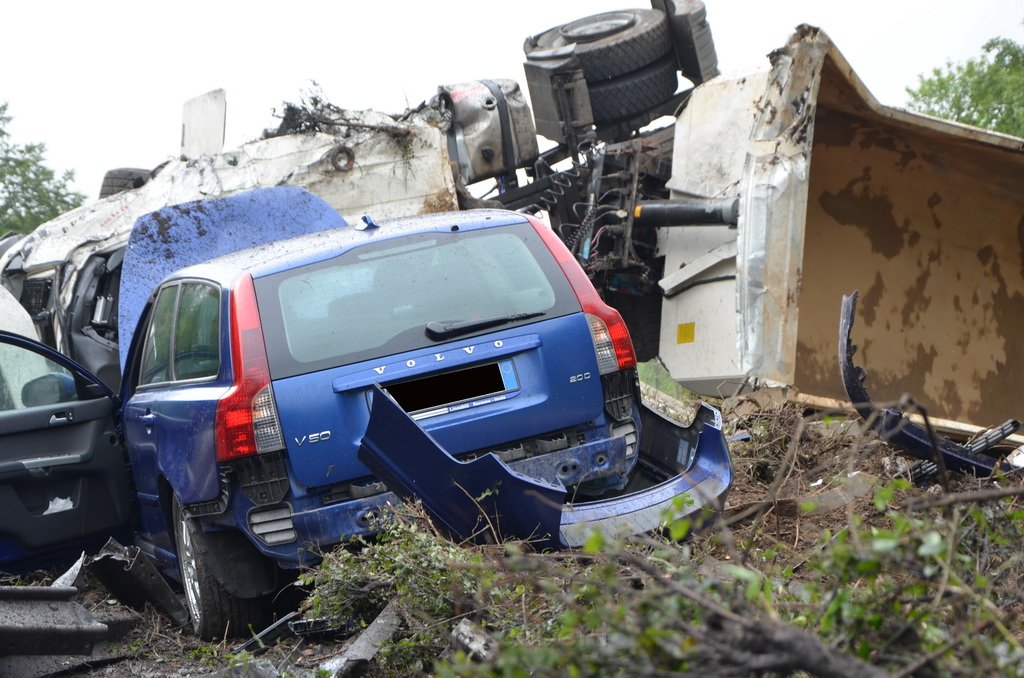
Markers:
270,258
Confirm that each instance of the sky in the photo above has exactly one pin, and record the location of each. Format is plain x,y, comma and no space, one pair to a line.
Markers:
102,83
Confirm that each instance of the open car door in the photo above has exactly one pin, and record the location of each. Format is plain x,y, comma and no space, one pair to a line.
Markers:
64,481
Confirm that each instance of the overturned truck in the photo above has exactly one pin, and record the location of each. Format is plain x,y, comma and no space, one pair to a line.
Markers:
723,218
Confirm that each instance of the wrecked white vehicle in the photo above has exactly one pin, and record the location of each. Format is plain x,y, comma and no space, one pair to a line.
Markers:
66,274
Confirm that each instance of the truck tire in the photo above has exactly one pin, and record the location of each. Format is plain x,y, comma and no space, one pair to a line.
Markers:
609,44
634,93
212,608
123,179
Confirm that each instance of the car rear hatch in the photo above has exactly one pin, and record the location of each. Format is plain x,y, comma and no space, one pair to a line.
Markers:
470,326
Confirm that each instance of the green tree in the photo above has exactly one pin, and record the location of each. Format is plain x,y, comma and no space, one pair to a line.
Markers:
30,192
985,92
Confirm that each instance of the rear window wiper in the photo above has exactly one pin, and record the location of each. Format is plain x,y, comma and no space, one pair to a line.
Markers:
444,330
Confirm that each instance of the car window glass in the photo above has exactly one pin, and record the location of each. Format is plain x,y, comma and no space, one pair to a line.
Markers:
28,379
156,351
197,332
368,300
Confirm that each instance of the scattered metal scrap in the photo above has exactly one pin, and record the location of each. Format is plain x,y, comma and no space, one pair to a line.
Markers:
134,580
361,650
935,451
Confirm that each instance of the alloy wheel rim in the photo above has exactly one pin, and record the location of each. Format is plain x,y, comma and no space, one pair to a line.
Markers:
189,580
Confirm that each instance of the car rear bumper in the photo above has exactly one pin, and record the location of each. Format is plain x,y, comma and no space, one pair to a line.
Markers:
682,472
486,499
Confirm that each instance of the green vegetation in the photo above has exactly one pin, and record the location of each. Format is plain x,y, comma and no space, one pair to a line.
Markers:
30,192
892,579
985,92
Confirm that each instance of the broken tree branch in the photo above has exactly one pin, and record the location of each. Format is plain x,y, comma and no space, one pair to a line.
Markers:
802,650
976,497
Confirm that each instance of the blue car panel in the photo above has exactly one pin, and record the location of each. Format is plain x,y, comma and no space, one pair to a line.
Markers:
324,414
485,500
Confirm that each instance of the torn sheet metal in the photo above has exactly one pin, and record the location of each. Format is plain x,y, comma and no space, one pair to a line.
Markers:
895,428
134,580
484,499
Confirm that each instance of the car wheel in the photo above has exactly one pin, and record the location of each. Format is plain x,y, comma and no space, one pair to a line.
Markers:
609,44
635,93
123,179
214,611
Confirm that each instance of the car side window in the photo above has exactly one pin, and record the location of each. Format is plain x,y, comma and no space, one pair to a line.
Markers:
197,332
28,379
155,366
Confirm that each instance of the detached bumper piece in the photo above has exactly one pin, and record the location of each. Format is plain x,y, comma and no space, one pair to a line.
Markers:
898,430
484,499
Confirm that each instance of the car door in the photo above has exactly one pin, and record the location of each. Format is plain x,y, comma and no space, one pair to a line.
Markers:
171,391
64,480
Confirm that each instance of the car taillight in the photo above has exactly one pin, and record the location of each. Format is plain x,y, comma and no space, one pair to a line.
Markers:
247,421
612,344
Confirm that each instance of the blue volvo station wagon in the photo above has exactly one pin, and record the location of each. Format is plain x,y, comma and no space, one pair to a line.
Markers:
276,397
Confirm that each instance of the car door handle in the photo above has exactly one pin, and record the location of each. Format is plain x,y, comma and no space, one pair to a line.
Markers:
59,418
148,418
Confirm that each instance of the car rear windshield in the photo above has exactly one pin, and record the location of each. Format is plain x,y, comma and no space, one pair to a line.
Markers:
408,293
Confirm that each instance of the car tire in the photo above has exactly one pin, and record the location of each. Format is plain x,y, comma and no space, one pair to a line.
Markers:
214,611
609,44
123,179
635,93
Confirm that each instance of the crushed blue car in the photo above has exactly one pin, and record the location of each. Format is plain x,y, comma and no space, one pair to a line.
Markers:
290,375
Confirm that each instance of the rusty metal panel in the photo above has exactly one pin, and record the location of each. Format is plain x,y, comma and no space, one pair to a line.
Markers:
930,229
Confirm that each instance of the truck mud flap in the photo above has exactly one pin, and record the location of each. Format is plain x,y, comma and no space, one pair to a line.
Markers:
484,499
895,428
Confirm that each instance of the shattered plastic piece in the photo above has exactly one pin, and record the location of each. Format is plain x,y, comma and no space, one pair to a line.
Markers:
477,645
58,504
69,577
1016,458
361,650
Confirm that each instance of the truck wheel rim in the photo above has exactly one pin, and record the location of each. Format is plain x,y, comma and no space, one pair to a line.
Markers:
596,27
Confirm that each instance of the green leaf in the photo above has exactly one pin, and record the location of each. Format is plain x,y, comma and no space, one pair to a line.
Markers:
595,542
